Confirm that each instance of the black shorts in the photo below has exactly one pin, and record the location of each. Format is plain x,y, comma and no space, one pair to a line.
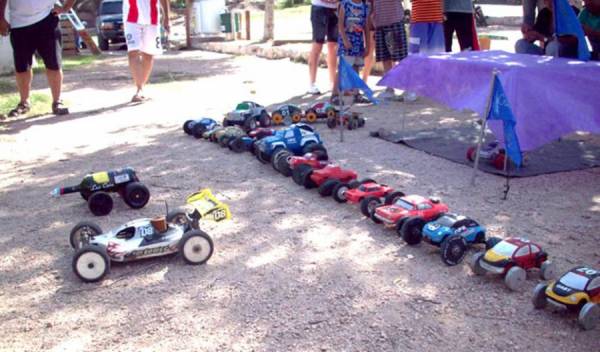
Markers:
324,24
390,43
42,37
462,23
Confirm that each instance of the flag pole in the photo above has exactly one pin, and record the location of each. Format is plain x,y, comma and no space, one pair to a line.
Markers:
483,126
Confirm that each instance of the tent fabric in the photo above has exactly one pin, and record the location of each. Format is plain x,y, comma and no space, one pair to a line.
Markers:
549,97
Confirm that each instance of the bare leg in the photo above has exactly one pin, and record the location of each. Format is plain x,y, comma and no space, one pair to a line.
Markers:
24,84
387,65
313,61
332,62
55,79
135,66
147,64
369,59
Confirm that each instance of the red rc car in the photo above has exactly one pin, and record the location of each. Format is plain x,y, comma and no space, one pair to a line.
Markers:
301,164
368,193
320,110
409,214
512,258
316,178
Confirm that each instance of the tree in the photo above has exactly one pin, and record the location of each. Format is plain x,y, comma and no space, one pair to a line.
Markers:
269,20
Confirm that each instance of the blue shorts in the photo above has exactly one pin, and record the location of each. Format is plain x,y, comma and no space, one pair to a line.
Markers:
426,37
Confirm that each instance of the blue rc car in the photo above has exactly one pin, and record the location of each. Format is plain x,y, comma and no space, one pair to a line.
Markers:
197,127
298,139
453,234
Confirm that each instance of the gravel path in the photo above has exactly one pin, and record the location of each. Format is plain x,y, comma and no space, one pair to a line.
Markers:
292,271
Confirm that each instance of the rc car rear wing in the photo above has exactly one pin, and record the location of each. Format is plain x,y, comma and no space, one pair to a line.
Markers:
208,206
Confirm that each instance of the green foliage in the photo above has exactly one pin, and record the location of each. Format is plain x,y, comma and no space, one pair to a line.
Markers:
40,103
286,4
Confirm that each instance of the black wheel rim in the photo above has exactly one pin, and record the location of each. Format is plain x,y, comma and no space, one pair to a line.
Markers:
138,197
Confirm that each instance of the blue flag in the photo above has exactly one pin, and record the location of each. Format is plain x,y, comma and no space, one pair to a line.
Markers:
349,79
566,23
500,110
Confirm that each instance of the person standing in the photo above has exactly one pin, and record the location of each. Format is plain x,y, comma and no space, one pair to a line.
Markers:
390,35
458,18
33,27
426,27
324,22
142,33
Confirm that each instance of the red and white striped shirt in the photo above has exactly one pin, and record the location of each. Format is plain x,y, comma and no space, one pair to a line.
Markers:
141,11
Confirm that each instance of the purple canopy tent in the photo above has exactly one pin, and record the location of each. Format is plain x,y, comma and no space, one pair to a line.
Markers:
549,97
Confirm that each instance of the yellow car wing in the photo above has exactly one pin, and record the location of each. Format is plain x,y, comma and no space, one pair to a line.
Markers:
209,206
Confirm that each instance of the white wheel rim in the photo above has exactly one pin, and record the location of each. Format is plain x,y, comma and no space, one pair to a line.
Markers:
196,249
341,193
549,271
90,265
372,205
589,316
515,279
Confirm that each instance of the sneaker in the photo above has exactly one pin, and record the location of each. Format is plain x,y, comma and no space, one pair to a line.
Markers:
314,90
361,99
21,109
58,108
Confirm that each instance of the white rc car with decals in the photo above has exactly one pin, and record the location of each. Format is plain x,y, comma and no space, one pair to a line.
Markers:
179,231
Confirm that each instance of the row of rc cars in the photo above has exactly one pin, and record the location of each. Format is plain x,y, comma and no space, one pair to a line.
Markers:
416,219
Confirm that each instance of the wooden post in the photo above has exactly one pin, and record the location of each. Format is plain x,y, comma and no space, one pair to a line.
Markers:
188,23
247,22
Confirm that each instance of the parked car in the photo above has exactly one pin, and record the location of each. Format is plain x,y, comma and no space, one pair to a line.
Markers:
109,23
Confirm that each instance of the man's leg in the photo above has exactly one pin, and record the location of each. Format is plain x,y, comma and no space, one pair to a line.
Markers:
55,79
24,84
370,58
313,61
135,66
147,64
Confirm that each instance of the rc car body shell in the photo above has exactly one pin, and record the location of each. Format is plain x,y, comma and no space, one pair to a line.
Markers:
322,109
332,172
246,111
294,139
410,206
286,114
512,252
572,290
368,189
436,231
308,159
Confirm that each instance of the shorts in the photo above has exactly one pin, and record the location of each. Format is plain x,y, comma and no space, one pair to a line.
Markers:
143,37
44,38
426,37
390,43
324,24
355,61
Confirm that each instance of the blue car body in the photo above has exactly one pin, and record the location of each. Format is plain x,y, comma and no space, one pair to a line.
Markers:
208,123
450,224
293,138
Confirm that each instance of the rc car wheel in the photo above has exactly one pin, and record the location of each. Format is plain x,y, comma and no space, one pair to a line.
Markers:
453,249
471,154
297,173
226,123
331,122
237,145
352,124
393,197
368,205
326,188
91,263
316,149
589,316
186,127
262,157
223,141
82,233
515,278
276,154
85,194
307,182
297,117
283,164
178,216
491,242
331,112
548,270
277,118
361,122
412,230
249,124
339,192
539,296
373,217
196,247
475,264
100,203
197,130
311,116
265,119
137,195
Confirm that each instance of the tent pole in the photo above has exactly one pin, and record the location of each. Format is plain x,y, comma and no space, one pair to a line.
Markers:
483,126
507,186
341,117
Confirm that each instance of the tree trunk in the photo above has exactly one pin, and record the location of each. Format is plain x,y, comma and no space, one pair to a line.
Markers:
269,20
188,23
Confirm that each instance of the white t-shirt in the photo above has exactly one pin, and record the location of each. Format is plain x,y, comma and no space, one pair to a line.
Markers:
24,13
144,12
332,4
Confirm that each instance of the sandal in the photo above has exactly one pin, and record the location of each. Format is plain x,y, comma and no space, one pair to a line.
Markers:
22,108
58,108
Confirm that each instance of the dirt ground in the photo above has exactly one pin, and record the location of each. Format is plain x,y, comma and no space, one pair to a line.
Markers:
292,271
